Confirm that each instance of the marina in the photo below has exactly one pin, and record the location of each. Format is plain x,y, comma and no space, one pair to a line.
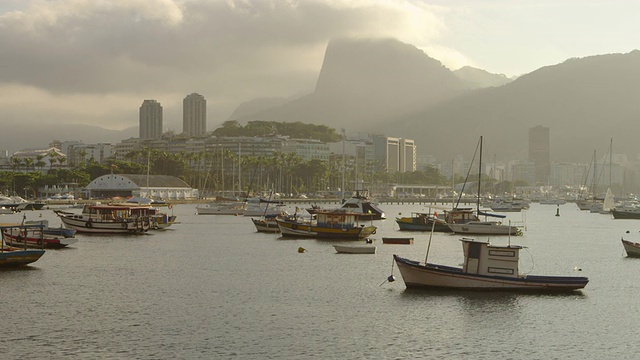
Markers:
212,289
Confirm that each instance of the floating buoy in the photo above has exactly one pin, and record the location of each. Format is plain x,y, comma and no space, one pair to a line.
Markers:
301,249
558,211
391,278
577,269
627,231
368,241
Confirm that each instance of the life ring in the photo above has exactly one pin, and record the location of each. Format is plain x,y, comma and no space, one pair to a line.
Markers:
124,225
88,224
40,241
170,206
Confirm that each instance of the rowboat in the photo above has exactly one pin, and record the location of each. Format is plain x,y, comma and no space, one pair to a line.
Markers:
397,240
355,249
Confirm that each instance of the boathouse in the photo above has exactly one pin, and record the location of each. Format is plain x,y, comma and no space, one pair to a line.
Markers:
150,186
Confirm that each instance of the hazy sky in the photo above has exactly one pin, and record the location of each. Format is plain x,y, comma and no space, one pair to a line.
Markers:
95,61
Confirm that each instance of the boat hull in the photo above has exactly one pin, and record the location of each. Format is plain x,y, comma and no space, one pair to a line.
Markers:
266,226
47,241
416,224
631,248
397,240
19,257
416,275
346,249
88,225
484,228
625,214
293,228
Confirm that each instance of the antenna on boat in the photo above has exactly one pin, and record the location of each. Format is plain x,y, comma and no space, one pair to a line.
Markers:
433,225
509,233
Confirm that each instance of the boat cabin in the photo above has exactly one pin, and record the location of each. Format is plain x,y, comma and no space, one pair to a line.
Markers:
460,216
482,258
336,219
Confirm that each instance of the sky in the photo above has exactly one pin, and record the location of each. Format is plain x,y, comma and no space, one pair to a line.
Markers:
95,61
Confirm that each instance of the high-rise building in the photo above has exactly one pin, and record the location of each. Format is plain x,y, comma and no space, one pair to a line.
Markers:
539,153
150,120
194,115
394,154
407,155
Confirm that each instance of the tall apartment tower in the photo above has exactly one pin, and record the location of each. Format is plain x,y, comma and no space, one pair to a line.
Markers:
150,120
407,155
539,153
194,115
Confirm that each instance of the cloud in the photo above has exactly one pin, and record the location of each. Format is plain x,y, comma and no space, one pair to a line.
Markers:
93,61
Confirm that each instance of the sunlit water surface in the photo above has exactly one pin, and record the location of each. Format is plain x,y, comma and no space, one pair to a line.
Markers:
212,287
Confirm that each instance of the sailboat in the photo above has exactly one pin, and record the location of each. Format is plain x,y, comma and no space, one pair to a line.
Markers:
478,227
608,203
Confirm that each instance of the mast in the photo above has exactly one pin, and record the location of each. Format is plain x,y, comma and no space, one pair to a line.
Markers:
344,164
479,176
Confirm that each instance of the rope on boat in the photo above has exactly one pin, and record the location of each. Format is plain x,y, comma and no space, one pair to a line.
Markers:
391,278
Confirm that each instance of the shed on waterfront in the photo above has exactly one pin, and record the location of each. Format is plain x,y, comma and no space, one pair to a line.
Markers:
151,186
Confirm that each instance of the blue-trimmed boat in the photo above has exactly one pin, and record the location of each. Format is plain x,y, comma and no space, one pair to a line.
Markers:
337,223
13,256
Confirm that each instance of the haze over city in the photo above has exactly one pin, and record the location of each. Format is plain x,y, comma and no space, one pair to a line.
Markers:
88,62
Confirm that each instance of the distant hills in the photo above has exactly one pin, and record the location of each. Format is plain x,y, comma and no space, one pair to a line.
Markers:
19,136
394,88
386,86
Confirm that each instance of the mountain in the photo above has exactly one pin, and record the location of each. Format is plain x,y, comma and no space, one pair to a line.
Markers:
385,86
585,102
477,78
363,83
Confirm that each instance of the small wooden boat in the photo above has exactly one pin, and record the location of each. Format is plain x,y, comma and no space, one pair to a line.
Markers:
419,221
397,240
485,267
266,225
110,219
13,256
35,238
632,248
355,249
338,224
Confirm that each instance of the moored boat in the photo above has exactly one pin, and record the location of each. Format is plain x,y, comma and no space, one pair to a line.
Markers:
485,267
397,240
267,224
109,219
337,223
11,256
35,238
631,248
359,203
419,221
355,249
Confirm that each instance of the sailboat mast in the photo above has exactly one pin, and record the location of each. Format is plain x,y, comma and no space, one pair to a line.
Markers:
479,176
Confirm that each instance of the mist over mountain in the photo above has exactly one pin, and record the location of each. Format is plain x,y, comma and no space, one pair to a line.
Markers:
389,87
585,103
393,88
477,78
19,136
363,83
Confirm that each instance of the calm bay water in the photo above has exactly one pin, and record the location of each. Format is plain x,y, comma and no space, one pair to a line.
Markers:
213,288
